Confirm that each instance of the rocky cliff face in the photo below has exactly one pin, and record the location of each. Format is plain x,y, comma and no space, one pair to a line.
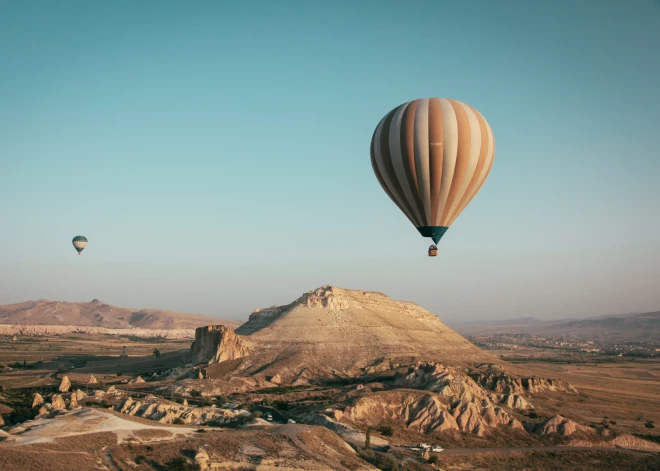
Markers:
428,413
444,380
167,412
454,383
502,383
216,343
453,400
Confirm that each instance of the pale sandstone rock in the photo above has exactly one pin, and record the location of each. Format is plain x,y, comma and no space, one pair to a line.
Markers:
65,385
444,380
16,430
164,411
427,413
515,401
73,403
202,458
38,400
557,425
216,343
503,383
57,402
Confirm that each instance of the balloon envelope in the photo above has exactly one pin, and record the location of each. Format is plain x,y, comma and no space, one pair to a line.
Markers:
432,156
79,242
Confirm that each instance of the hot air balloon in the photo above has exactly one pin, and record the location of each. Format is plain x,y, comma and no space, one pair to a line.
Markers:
432,156
79,242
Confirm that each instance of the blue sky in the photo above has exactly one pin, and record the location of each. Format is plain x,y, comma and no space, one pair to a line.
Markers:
216,154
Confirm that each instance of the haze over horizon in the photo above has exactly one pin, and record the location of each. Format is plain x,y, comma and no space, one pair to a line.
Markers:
217,156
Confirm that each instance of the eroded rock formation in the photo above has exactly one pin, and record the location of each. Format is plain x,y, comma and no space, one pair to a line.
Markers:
164,411
216,343
428,412
557,425
503,383
57,402
444,380
38,400
65,385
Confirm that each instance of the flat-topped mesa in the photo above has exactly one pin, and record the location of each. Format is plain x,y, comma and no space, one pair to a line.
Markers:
216,343
330,331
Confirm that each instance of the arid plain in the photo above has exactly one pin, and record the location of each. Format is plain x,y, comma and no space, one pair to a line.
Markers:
337,379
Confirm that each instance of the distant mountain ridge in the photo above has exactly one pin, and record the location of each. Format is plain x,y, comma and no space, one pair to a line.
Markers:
623,327
99,314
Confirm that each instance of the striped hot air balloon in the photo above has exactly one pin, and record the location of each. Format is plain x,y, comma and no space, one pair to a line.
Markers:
79,242
431,156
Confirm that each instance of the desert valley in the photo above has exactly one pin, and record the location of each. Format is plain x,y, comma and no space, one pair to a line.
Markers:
338,379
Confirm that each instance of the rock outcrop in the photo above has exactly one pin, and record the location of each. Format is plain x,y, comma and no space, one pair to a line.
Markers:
139,380
622,441
557,425
73,402
65,385
454,383
57,402
428,413
215,344
164,411
92,380
515,401
328,297
505,384
38,400
443,380
79,395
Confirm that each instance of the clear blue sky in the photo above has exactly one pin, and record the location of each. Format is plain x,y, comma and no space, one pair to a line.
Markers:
216,154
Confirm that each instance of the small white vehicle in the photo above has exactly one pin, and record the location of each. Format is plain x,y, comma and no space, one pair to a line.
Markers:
437,449
291,421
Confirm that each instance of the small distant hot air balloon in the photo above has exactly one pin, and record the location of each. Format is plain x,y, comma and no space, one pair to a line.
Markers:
431,157
79,242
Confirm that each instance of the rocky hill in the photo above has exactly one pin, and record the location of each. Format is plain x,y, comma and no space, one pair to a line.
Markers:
99,314
335,332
